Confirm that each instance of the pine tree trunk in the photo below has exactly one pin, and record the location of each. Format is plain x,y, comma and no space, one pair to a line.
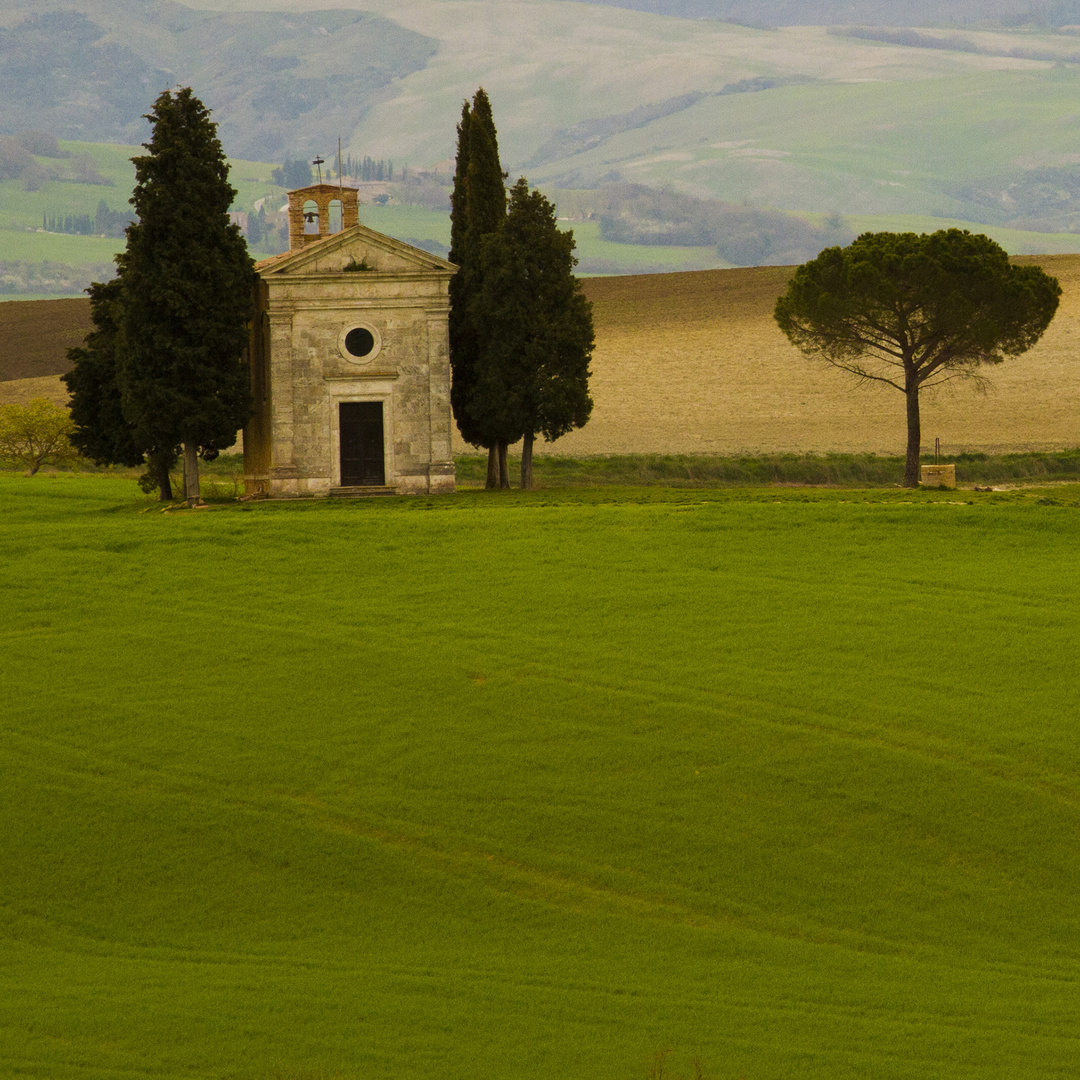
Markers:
504,470
914,435
191,474
493,469
526,462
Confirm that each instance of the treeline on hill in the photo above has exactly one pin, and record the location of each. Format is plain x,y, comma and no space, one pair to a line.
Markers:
50,278
742,235
21,158
104,222
1041,200
297,174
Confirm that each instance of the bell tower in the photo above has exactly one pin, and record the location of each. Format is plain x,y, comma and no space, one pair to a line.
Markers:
309,212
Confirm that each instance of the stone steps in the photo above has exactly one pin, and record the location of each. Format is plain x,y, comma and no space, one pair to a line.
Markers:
361,491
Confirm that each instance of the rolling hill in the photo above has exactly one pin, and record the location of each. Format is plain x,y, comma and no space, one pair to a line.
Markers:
975,123
796,117
1047,13
92,73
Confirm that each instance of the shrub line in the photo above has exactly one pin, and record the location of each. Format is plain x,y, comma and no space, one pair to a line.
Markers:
832,470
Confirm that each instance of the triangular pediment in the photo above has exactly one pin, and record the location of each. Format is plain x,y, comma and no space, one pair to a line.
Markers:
356,247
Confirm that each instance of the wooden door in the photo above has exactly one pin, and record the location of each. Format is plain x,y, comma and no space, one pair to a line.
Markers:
363,462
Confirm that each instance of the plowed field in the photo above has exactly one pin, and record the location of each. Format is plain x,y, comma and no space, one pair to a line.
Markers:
693,363
35,336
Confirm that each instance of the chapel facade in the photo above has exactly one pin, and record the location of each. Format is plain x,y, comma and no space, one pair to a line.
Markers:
350,360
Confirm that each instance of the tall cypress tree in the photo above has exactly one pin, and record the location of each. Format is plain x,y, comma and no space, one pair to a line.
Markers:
186,292
535,329
479,209
101,431
462,335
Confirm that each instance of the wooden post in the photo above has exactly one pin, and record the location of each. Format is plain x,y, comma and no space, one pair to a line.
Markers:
191,474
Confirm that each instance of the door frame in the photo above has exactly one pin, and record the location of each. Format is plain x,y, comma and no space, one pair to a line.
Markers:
340,395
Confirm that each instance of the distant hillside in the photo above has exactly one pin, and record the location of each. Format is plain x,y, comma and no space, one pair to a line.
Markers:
854,120
278,81
867,12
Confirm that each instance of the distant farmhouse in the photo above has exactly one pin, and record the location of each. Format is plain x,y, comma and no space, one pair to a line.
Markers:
350,360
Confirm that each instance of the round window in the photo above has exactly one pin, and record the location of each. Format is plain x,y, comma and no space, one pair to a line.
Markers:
359,341
359,344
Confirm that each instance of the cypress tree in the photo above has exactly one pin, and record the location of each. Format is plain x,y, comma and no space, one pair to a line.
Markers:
535,328
462,345
101,431
186,292
478,209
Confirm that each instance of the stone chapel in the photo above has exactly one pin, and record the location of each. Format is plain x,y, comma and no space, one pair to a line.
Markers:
350,360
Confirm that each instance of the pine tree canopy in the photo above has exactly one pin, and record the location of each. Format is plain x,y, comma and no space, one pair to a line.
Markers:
186,288
896,306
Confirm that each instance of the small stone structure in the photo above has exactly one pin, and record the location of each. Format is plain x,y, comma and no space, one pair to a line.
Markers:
939,476
350,360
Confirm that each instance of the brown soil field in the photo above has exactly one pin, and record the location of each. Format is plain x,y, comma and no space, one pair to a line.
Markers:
693,363
35,336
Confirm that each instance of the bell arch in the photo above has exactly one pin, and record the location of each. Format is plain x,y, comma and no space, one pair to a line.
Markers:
311,210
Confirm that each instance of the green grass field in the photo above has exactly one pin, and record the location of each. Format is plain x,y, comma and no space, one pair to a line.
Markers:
534,786
23,245
19,207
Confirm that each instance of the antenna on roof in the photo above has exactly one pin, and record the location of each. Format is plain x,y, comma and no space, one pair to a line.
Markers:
318,163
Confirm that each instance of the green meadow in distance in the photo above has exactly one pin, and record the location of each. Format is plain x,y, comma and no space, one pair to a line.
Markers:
535,786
